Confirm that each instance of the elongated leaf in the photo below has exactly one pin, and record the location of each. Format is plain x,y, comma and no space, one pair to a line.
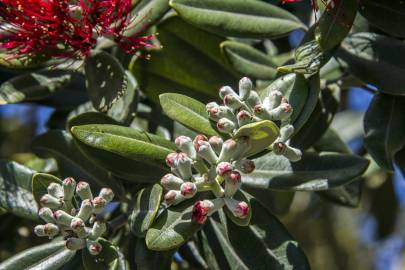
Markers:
386,15
384,126
145,209
187,111
40,183
32,86
107,257
313,172
49,256
248,60
370,57
190,63
172,228
147,259
71,162
224,17
15,196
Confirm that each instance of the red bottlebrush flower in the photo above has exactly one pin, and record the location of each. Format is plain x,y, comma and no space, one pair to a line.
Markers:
64,28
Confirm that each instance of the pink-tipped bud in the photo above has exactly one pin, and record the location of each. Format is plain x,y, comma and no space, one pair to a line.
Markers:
84,191
201,210
46,214
245,166
170,181
239,209
99,228
279,148
188,189
244,118
225,125
273,100
69,185
216,143
50,201
51,230
107,194
282,112
211,105
85,210
206,152
226,90
62,217
39,231
197,139
182,163
98,204
253,99
74,243
220,112
224,168
229,148
94,247
170,159
245,87
77,224
55,190
173,197
293,154
233,101
261,112
233,181
185,144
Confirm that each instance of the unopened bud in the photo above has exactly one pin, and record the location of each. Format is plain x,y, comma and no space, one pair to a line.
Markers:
205,208
245,166
39,230
49,229
224,168
188,189
93,247
99,228
197,139
233,102
173,197
244,118
286,132
50,201
206,152
216,143
245,87
62,217
85,210
78,227
225,125
69,185
293,154
74,243
84,191
226,90
282,112
55,190
107,194
170,181
239,209
220,112
253,99
46,214
98,204
233,181
185,144
261,112
211,105
273,100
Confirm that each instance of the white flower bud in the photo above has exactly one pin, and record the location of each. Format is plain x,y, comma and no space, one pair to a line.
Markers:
49,229
282,112
173,197
229,148
188,189
69,185
286,132
233,101
205,208
99,228
225,125
85,211
253,99
293,154
50,201
244,118
239,209
216,143
245,165
226,90
205,151
273,100
98,205
107,194
233,181
211,105
262,113
93,247
74,243
170,181
224,168
84,191
221,112
78,227
46,214
39,230
181,162
245,87
55,190
62,217
185,144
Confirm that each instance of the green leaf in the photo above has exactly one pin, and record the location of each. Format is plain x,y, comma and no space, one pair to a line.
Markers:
314,172
265,238
386,15
146,259
187,111
172,228
261,135
370,57
51,256
240,196
249,61
89,118
15,196
348,195
71,162
33,86
147,202
40,183
103,261
190,63
384,126
125,142
106,80
260,20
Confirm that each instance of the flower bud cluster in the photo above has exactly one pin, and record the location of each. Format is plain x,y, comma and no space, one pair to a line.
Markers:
245,107
207,164
79,226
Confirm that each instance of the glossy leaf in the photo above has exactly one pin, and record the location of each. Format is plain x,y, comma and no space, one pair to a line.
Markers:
147,259
187,111
224,17
147,202
248,60
40,183
51,256
313,172
384,126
